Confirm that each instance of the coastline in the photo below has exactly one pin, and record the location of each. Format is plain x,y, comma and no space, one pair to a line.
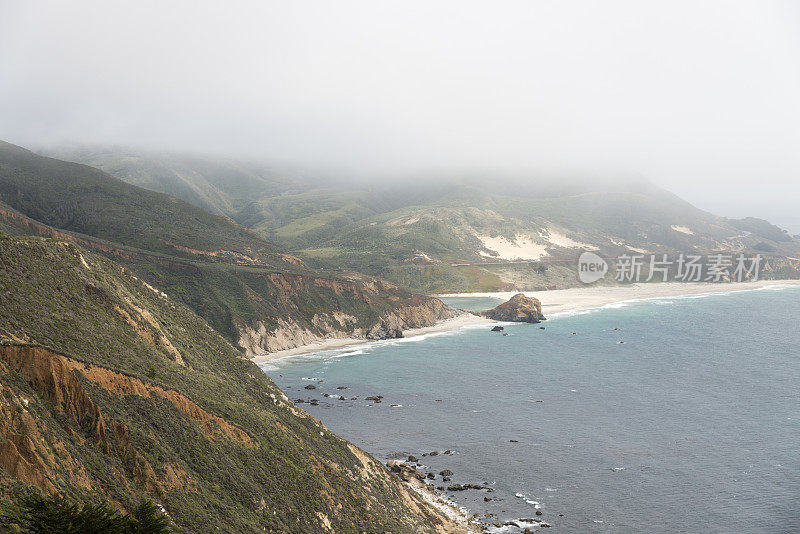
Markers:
462,520
587,297
553,302
460,321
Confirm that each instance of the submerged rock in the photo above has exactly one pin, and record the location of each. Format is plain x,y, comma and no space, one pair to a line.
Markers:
518,309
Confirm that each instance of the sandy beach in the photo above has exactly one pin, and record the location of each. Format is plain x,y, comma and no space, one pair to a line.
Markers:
455,323
578,298
554,301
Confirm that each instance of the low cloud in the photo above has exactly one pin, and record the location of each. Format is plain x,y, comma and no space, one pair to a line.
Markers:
698,97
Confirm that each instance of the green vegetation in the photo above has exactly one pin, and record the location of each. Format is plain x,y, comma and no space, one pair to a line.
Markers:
33,513
232,278
380,229
244,460
87,201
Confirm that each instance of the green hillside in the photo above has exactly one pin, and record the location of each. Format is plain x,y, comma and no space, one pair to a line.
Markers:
258,297
461,232
82,199
112,391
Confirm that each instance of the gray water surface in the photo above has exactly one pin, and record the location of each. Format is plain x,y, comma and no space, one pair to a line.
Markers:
692,425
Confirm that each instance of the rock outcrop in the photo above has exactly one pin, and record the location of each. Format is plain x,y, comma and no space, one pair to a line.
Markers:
518,309
427,312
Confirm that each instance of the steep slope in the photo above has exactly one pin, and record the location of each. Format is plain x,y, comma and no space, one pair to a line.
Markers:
85,200
255,295
468,233
219,186
110,389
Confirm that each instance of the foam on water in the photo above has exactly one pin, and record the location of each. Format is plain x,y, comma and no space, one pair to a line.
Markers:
370,346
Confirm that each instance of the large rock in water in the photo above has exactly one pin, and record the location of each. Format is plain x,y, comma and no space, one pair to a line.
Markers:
519,309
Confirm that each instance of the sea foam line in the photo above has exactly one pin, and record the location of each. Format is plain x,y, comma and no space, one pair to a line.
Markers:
368,346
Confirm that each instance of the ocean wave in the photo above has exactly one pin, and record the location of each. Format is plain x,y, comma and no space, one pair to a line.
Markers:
776,287
571,313
515,526
536,504
349,353
368,346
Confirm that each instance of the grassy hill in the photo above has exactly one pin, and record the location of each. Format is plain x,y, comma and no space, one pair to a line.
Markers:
219,186
111,390
84,200
461,232
257,296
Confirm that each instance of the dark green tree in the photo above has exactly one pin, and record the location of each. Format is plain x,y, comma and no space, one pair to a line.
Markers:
149,519
34,513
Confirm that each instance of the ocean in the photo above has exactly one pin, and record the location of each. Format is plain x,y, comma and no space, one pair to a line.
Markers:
691,425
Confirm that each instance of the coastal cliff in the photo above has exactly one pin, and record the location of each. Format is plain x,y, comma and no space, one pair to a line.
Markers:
256,295
110,390
397,313
518,309
261,310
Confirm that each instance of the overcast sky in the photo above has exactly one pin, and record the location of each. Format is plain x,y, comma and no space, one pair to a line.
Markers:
701,97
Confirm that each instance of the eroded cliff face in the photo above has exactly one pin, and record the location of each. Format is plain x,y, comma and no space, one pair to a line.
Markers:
30,457
109,389
260,310
426,313
378,310
43,436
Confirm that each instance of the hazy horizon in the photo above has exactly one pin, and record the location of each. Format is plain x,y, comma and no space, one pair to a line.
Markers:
699,98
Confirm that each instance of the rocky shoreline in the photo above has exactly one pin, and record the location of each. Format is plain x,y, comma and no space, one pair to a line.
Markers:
430,473
259,339
413,473
402,323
